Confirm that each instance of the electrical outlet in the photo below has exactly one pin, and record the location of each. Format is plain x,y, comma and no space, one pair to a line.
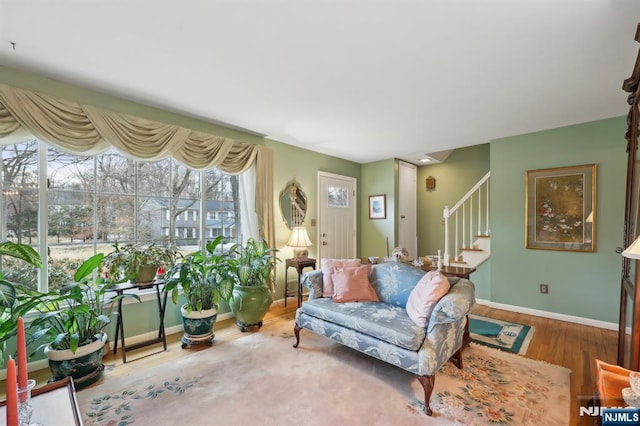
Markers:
544,288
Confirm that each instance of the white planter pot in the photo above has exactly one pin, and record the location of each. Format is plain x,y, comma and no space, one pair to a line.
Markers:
85,366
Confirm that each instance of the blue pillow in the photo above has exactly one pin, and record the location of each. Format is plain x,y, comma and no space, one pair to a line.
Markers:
393,281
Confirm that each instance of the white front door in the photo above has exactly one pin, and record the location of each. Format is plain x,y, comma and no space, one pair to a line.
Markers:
336,216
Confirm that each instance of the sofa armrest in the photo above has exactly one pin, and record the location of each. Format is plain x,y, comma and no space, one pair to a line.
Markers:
313,281
455,305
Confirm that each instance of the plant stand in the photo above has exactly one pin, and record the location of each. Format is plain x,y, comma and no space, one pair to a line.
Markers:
189,340
248,327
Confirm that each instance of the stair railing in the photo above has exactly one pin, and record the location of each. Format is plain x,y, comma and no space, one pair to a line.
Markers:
458,213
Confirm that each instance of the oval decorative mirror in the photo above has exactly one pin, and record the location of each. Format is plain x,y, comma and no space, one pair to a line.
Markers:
293,204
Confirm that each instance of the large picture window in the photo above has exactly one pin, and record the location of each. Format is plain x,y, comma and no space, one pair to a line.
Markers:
71,207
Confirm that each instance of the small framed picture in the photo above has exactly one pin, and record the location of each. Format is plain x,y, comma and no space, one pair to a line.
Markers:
378,206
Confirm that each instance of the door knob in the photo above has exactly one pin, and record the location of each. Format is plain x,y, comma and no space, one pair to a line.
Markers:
324,243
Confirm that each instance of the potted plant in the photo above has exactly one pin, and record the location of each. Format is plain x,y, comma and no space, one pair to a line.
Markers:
204,279
252,268
138,264
72,323
15,300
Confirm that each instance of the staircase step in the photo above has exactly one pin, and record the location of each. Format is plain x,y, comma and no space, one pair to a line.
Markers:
471,249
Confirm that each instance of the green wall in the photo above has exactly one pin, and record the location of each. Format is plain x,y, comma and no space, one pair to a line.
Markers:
454,178
378,178
293,163
580,284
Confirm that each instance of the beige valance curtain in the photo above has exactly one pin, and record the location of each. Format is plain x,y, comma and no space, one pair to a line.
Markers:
88,130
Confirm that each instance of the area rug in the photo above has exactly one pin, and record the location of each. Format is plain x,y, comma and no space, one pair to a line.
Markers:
503,335
261,379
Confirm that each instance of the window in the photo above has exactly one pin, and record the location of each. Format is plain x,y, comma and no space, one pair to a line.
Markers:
73,206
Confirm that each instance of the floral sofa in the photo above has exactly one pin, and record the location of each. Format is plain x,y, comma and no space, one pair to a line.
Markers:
384,330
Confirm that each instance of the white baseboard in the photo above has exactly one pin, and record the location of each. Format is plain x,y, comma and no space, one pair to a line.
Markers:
550,315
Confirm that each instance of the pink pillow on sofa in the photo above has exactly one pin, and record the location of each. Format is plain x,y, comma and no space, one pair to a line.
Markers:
425,295
352,285
327,265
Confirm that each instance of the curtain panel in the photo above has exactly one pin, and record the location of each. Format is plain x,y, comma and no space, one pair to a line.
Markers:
88,130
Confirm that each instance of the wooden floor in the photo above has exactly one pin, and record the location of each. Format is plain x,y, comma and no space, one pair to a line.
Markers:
570,345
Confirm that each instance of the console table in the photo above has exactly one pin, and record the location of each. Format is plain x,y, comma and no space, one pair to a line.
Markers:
162,304
53,404
299,264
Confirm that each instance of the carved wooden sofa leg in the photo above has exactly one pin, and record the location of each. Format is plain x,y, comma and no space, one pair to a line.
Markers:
456,358
296,331
427,383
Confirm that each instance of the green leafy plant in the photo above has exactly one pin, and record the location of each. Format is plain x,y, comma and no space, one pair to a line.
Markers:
77,314
15,300
204,277
253,263
125,261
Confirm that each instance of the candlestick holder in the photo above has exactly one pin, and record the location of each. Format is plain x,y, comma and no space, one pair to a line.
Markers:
25,410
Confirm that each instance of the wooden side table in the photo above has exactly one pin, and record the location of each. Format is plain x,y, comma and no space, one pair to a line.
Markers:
53,404
299,264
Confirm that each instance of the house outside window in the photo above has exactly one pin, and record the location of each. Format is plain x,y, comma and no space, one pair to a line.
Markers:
74,206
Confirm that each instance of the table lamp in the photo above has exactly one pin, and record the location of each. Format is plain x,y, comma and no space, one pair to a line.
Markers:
299,240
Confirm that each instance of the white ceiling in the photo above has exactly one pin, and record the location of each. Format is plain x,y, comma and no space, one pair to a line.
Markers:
363,80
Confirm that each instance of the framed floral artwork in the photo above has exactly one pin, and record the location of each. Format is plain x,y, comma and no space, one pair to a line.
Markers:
378,206
561,208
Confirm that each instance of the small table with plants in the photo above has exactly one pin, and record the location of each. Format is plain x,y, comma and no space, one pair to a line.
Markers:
162,304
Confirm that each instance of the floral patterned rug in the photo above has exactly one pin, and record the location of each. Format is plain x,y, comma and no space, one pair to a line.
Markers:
261,380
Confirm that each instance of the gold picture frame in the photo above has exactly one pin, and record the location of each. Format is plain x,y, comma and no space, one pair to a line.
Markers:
561,208
378,206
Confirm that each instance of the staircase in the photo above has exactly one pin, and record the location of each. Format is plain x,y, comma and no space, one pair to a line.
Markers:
467,240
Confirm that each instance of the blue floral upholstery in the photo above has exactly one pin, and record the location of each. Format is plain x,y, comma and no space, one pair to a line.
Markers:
383,329
387,322
393,282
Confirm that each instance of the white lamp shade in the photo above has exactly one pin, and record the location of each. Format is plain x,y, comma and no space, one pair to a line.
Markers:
299,237
633,251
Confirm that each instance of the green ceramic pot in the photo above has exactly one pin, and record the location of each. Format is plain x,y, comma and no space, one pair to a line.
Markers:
249,304
85,366
198,325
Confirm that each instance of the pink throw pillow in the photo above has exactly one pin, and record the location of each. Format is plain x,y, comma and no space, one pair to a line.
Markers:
425,295
327,265
352,285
